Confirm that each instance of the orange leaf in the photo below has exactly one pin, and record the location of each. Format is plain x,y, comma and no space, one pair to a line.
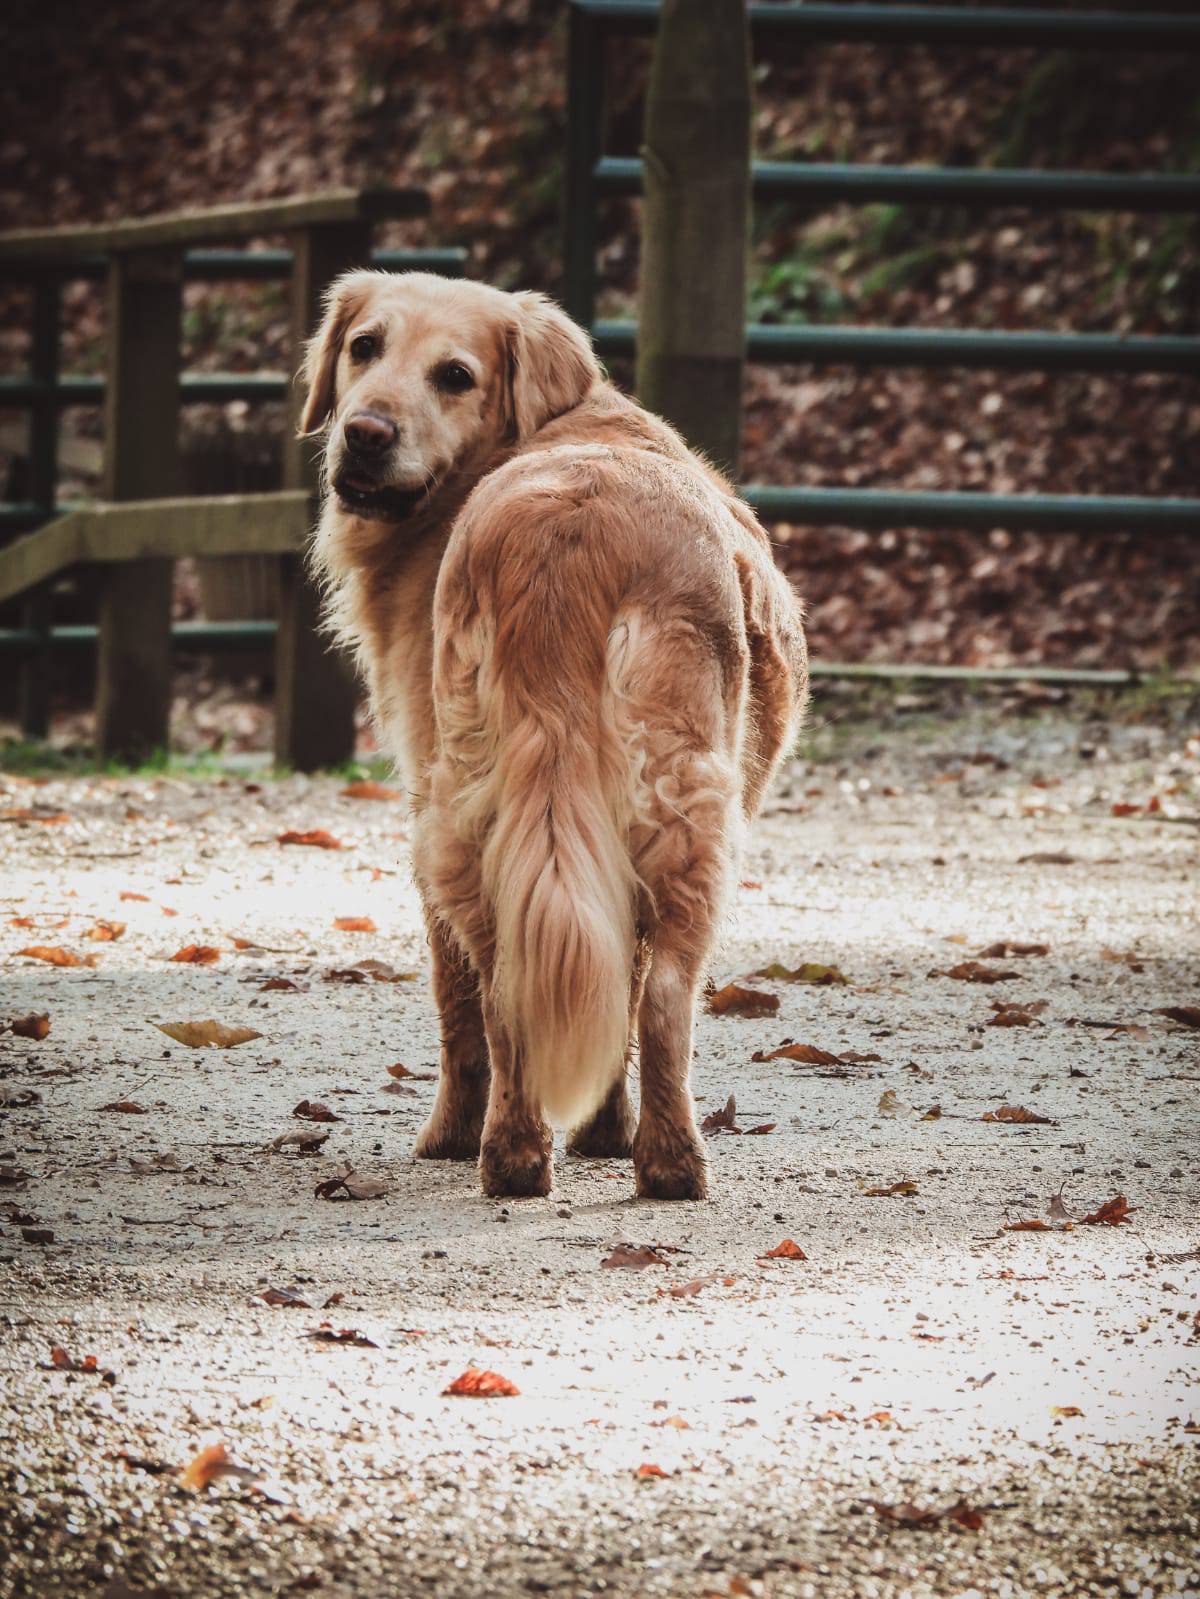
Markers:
355,924
634,1255
1028,1227
317,837
789,1249
205,1468
1015,1113
475,1384
808,1053
51,954
648,1469
735,1001
1065,1410
197,955
367,790
105,932
1110,1214
127,893
129,1106
32,1026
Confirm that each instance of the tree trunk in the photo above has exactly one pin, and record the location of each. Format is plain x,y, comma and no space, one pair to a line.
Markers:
692,313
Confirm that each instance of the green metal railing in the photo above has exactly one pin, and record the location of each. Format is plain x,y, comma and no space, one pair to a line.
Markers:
592,176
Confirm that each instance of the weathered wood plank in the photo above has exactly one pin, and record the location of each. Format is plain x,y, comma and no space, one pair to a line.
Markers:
229,524
315,691
141,460
216,224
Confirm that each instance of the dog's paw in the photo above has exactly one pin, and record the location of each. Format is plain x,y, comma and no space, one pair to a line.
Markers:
673,1171
518,1169
441,1139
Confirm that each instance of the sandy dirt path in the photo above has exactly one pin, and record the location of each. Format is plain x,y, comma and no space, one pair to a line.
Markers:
927,1404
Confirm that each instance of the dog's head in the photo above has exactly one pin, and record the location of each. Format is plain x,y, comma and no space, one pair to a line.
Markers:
421,381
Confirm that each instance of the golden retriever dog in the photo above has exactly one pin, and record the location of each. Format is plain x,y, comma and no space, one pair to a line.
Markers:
583,657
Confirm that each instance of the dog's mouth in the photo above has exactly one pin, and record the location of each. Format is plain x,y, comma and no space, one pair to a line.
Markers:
358,494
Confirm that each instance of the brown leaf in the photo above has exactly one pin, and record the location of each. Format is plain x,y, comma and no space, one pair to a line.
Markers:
211,1463
476,1384
808,972
279,985
1111,1213
761,1129
1013,1016
1015,1113
105,932
351,1186
974,972
53,955
965,1515
808,1053
308,1143
400,1071
355,924
1116,958
197,955
1186,1015
904,1189
315,837
1006,950
31,1026
128,894
723,1120
34,815
288,1298
207,1034
648,1469
634,1255
365,789
326,1333
789,1249
1065,1410
313,1111
905,1514
1032,1226
62,1361
735,1001
129,1107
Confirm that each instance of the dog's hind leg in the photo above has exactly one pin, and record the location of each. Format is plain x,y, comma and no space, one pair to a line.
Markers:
454,1129
608,1132
515,1157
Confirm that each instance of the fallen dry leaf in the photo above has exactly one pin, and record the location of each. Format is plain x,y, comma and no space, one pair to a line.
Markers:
789,1249
974,972
286,1298
1032,1226
54,956
1013,1016
1185,1015
351,1186
809,972
211,1462
723,1120
308,1143
34,815
128,1107
197,955
365,789
903,1189
476,1384
315,837
369,970
352,1337
733,1000
1006,950
1110,1214
105,932
907,1514
808,1053
635,1255
889,1104
312,1110
128,894
31,1026
207,1034
279,985
648,1469
1117,958
1015,1113
1065,1410
355,924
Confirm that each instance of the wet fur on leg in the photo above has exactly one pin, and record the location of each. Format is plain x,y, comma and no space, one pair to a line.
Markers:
609,1133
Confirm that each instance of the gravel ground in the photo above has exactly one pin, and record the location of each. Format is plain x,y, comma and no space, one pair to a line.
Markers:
927,1404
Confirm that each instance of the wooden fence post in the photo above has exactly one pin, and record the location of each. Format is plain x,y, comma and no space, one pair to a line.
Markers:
315,690
141,462
43,479
692,311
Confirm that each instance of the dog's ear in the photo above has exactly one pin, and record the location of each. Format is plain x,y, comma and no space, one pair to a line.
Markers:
549,364
343,300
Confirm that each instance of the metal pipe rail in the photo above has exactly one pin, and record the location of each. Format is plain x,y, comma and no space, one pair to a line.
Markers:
783,343
1007,27
950,186
1040,513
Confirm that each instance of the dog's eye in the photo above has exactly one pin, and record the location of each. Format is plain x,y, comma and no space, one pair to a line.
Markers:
363,347
453,378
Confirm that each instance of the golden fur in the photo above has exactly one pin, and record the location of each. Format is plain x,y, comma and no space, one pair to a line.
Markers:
587,665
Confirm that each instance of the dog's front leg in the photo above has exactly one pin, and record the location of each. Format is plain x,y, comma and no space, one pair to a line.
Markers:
454,1130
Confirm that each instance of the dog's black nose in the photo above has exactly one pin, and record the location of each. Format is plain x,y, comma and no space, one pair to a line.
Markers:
368,433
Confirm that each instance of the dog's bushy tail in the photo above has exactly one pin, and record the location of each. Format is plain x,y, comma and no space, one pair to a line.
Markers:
534,781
